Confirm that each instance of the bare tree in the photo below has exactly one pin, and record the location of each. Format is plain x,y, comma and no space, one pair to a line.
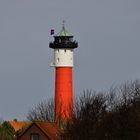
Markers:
112,116
44,110
90,108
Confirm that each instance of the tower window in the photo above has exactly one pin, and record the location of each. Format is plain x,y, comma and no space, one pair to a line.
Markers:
58,60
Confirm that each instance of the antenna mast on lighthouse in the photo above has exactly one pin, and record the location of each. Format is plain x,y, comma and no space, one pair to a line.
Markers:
63,46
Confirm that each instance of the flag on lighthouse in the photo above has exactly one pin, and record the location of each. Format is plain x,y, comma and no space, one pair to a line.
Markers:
52,32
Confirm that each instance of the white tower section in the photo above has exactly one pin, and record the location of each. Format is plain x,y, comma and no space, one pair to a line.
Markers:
63,58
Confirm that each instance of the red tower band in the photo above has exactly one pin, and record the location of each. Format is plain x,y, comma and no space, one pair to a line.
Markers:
63,93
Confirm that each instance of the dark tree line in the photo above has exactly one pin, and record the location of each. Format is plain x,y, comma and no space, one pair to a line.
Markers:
107,116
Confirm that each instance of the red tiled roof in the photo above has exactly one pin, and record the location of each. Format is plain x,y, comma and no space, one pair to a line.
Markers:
18,125
50,129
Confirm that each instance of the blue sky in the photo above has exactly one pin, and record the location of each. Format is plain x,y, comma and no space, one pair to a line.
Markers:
109,44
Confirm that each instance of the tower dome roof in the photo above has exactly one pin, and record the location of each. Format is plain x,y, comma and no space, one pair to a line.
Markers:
63,32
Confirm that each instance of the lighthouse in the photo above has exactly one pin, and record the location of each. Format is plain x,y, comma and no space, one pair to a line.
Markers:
63,46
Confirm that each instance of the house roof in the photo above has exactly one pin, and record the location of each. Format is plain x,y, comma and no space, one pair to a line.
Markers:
49,129
18,125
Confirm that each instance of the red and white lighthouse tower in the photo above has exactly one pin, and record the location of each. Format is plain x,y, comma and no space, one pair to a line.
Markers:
63,46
